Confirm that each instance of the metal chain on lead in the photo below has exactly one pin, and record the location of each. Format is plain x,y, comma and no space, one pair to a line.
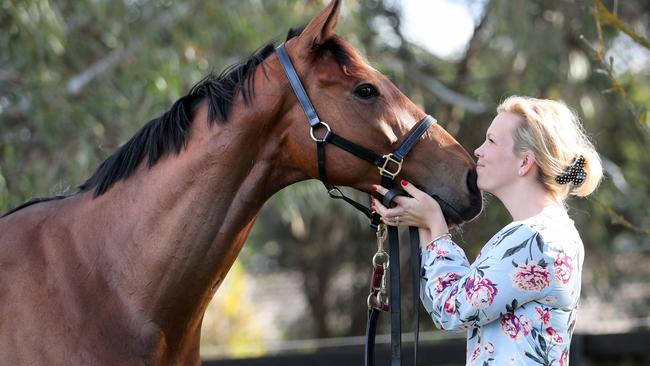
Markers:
378,297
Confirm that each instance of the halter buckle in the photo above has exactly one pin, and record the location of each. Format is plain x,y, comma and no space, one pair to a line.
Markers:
325,136
383,169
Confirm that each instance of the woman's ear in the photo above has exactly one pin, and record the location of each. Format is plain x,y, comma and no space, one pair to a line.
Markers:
527,163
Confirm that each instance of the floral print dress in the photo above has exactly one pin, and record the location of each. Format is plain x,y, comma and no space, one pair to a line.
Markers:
518,300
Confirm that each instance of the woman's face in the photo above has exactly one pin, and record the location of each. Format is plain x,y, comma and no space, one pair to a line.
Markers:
497,164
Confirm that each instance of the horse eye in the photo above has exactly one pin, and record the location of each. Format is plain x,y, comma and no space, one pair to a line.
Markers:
366,91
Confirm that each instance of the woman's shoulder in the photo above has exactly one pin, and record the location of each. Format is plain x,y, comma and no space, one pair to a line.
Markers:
550,230
555,229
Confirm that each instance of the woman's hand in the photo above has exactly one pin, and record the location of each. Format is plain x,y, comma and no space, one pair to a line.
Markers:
421,210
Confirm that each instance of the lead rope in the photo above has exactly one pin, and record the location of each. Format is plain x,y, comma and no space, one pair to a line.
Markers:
416,261
395,302
376,298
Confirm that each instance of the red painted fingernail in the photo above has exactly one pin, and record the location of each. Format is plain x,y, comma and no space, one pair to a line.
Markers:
404,182
374,188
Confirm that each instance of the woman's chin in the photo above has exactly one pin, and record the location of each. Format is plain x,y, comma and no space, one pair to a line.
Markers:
483,187
480,184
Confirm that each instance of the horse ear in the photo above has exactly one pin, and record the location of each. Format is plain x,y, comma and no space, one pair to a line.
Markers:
321,28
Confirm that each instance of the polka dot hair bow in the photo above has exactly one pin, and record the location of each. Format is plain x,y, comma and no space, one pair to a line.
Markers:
575,173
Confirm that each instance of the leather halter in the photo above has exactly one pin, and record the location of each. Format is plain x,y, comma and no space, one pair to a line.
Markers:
389,166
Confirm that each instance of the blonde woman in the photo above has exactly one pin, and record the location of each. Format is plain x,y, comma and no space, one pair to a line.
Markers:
518,299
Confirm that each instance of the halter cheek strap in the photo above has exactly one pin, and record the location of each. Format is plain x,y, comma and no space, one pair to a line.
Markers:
297,87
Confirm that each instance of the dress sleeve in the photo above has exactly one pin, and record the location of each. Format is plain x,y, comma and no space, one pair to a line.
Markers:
513,271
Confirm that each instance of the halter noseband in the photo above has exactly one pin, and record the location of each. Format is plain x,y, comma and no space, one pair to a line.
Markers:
389,166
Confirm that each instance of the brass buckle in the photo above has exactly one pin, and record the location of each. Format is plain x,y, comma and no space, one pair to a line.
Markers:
388,158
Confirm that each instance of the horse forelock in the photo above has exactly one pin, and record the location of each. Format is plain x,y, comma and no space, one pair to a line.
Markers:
353,64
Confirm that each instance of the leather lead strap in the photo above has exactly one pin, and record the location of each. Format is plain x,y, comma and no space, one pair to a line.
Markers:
395,306
395,293
371,330
373,314
415,274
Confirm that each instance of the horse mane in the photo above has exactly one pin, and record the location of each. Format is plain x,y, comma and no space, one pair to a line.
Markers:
31,202
168,133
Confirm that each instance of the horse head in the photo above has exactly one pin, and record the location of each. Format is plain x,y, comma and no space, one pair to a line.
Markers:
364,106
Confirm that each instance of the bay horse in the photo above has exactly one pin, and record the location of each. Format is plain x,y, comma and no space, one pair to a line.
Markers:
121,272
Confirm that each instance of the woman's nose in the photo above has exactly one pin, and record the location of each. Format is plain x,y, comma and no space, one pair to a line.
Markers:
477,152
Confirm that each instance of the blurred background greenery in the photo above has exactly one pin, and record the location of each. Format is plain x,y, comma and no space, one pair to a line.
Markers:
78,78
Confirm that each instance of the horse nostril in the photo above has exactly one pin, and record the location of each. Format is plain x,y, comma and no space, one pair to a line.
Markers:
471,181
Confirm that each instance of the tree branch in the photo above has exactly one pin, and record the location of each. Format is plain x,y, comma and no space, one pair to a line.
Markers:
425,79
473,48
75,84
620,219
604,16
439,89
607,66
79,81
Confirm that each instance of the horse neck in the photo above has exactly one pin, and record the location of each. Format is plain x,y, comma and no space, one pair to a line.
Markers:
172,232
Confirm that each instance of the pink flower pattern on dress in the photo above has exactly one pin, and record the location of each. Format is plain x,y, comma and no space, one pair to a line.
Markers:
555,336
475,354
531,277
563,268
489,348
526,324
450,302
515,326
441,252
511,326
445,281
564,358
543,315
480,292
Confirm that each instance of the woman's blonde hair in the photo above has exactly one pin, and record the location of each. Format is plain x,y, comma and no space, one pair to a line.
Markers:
555,135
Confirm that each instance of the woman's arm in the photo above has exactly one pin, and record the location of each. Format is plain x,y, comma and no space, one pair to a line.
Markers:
510,274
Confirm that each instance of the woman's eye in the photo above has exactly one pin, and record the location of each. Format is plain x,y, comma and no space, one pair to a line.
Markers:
366,91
